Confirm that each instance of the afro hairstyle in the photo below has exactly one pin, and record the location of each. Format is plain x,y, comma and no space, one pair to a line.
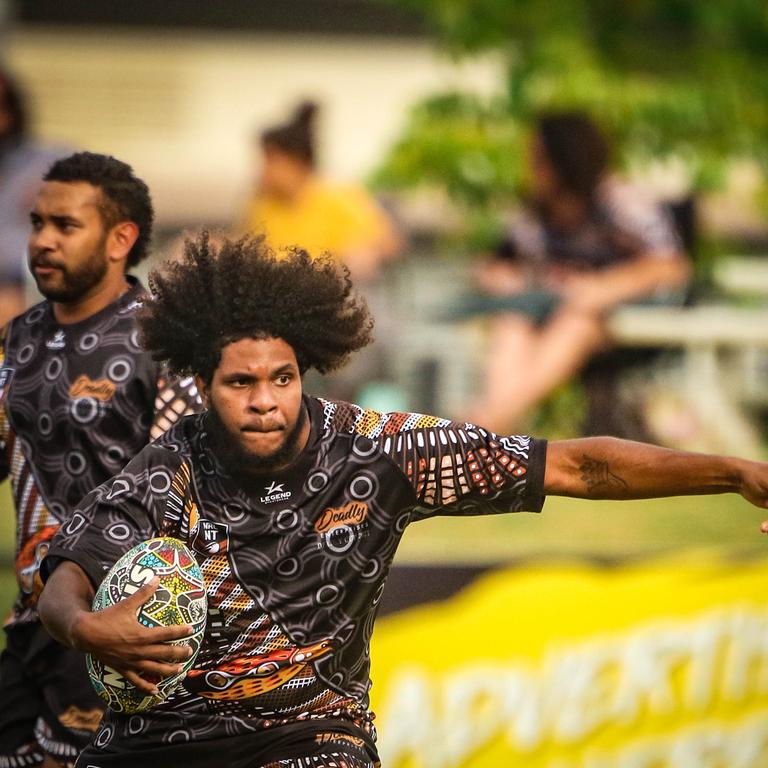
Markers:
223,291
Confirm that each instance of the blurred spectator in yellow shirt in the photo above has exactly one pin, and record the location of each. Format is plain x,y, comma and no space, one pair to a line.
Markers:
294,207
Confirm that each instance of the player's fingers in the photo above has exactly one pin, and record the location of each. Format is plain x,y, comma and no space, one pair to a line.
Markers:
170,634
157,670
167,653
143,685
764,526
140,596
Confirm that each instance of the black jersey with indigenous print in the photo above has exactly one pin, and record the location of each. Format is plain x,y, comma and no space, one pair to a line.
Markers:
294,562
77,402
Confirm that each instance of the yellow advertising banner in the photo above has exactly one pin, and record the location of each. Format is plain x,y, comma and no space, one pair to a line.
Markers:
657,665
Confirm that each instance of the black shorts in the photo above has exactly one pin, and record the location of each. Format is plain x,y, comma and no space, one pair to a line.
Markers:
309,744
47,702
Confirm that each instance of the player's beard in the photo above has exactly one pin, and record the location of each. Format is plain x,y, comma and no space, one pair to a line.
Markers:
237,460
78,282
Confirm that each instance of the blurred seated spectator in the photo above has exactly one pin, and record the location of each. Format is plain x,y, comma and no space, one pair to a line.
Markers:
294,206
585,243
23,162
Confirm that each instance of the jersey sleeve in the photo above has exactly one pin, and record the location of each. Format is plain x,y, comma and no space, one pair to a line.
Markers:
453,468
175,398
462,469
126,510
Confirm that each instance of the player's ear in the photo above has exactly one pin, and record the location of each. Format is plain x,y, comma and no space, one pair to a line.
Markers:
203,389
121,239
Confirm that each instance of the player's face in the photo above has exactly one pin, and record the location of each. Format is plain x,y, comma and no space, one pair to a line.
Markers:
255,407
67,243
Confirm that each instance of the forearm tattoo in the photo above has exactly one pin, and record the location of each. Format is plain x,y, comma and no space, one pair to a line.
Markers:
598,476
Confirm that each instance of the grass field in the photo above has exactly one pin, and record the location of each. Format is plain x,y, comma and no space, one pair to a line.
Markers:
608,529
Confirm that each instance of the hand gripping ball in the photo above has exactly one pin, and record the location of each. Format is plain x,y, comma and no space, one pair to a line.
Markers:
180,599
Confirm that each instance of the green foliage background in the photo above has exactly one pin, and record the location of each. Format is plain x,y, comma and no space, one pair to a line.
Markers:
682,78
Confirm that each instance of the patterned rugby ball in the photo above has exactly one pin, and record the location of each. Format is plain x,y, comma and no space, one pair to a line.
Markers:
180,599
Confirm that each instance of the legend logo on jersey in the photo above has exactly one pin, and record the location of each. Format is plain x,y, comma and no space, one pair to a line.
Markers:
274,492
57,342
211,538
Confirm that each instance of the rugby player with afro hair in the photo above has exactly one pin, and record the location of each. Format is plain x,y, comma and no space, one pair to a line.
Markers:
241,300
294,507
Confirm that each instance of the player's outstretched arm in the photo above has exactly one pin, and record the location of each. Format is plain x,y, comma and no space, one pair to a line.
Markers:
113,635
609,468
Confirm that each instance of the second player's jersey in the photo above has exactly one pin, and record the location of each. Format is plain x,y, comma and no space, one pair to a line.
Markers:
77,402
294,562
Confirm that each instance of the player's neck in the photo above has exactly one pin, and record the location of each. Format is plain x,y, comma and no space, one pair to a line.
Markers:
99,297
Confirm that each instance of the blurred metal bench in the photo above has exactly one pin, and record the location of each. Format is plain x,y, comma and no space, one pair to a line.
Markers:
719,373
724,351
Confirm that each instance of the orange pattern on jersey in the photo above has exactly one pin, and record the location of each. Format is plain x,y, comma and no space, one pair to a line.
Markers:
248,676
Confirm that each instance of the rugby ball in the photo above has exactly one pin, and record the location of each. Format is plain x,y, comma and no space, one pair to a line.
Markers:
180,599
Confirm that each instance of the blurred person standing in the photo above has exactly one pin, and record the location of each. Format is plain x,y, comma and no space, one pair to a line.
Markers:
294,206
585,243
79,398
22,164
